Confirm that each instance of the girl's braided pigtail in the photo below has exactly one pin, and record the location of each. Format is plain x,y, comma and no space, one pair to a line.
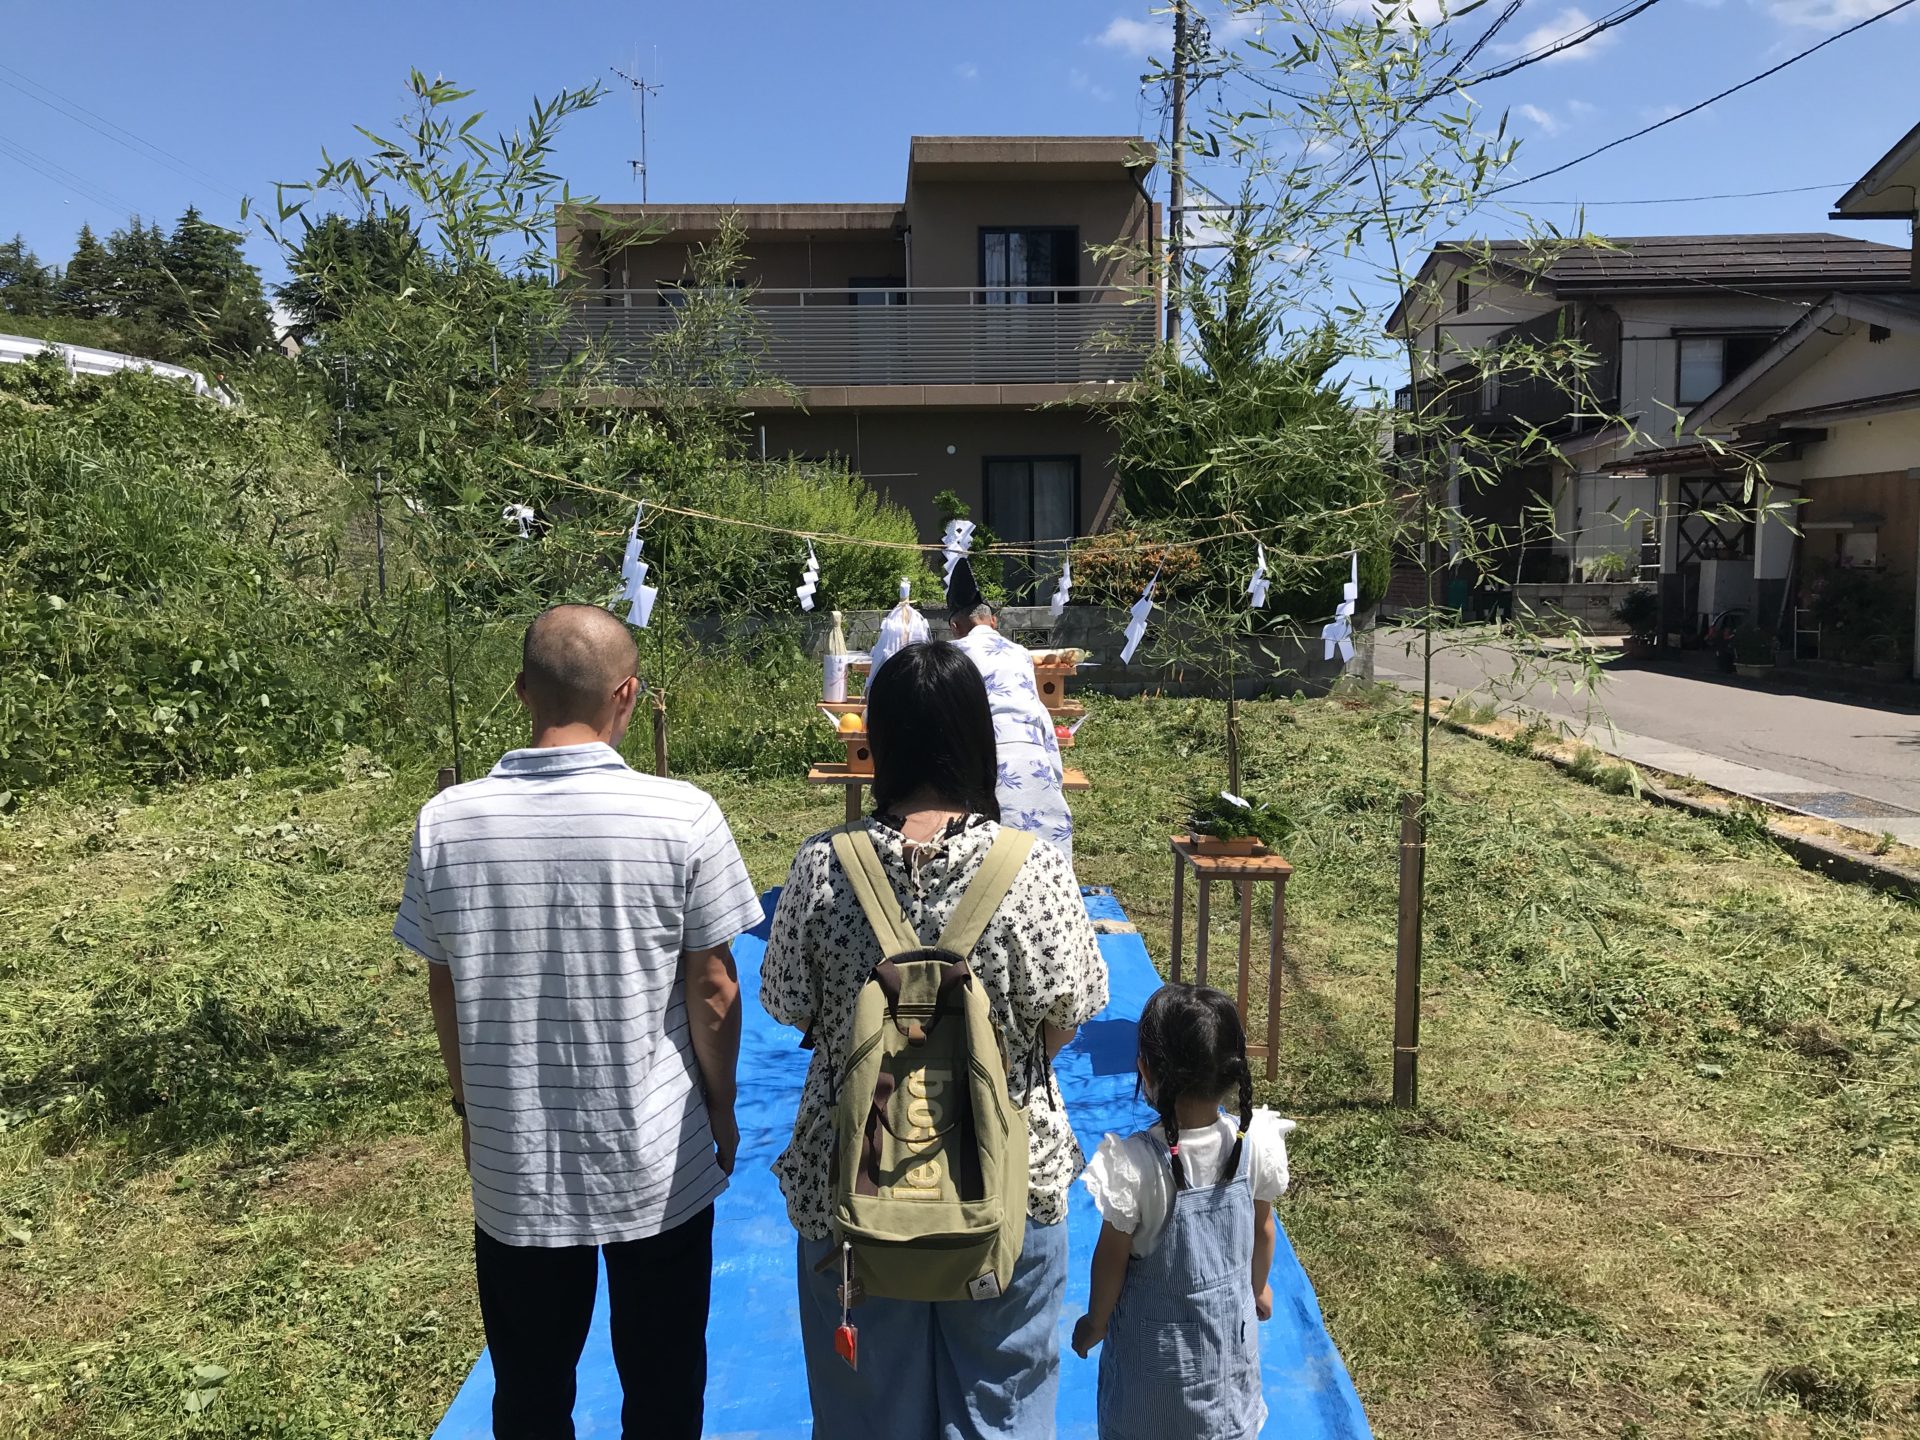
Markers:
1246,1120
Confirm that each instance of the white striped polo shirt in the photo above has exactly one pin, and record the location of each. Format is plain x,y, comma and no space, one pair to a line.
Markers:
561,892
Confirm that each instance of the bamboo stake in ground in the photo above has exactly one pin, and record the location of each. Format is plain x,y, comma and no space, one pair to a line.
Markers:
1406,970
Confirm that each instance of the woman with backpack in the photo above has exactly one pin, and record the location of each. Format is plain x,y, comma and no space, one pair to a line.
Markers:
1179,1279
936,961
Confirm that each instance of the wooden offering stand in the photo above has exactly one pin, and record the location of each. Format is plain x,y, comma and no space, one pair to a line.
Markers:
1244,864
1050,679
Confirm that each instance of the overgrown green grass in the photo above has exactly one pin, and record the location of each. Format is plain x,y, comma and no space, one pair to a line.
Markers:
1663,1179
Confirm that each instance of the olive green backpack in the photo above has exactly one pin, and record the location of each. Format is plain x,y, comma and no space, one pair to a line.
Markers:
930,1156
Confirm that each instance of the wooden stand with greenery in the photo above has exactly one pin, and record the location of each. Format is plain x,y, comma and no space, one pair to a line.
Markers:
1243,871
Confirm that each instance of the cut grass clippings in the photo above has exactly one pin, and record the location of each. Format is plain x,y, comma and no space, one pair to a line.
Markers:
1662,1182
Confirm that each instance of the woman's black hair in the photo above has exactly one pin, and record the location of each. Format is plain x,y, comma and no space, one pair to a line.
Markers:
1192,1043
929,727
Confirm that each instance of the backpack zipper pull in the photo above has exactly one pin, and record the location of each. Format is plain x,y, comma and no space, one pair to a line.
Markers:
846,1339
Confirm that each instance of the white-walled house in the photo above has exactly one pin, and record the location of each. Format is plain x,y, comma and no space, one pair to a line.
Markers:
1833,410
1670,320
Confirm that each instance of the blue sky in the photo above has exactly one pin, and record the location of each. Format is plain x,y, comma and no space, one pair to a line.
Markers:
765,101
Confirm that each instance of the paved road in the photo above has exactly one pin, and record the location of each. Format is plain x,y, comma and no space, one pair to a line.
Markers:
1861,748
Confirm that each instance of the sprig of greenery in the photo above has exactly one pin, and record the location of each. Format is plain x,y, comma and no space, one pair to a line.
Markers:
1213,814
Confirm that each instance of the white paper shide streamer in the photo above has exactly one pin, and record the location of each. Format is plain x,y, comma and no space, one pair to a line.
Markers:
520,515
1257,586
1061,589
1338,633
633,577
955,541
809,579
1137,619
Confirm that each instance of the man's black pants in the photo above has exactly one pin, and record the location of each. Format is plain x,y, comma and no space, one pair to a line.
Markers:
537,1303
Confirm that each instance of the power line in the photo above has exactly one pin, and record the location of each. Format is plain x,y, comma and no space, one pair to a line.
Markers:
1570,41
61,176
1710,100
1688,199
1446,81
119,134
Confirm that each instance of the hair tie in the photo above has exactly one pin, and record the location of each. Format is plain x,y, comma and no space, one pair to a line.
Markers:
1241,1133
1174,1149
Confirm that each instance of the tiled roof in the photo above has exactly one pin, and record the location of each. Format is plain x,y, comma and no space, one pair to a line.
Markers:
1665,262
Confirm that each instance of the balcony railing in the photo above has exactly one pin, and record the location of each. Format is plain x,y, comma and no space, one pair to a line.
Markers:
920,336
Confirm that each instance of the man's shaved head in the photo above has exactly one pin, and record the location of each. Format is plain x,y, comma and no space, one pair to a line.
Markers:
574,658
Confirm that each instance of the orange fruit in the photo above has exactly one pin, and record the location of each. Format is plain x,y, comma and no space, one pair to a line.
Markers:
851,724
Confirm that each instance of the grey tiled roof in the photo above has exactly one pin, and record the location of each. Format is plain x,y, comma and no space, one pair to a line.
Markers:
1664,262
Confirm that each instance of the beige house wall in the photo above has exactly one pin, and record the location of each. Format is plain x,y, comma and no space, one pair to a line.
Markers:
947,217
904,454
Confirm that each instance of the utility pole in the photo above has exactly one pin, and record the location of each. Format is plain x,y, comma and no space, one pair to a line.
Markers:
641,90
1176,174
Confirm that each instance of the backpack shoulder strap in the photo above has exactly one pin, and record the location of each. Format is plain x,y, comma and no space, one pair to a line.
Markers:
853,847
987,889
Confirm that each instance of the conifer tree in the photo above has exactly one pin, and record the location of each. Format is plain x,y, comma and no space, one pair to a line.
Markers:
213,297
84,289
26,286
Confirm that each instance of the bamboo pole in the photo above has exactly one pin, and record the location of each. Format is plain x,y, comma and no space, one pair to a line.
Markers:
1406,970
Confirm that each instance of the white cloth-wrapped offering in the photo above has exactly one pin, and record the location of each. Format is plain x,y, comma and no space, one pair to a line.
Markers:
903,626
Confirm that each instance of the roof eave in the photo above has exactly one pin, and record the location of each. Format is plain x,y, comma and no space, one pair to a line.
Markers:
1905,151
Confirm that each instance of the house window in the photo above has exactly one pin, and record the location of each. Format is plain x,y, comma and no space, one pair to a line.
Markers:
1032,500
1462,297
1708,361
1028,267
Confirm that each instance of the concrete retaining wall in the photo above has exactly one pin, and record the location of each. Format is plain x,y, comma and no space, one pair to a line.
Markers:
1591,607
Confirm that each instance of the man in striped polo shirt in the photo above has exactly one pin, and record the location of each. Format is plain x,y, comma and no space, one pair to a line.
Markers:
576,917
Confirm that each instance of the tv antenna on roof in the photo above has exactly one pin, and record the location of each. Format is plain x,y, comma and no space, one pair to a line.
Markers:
641,89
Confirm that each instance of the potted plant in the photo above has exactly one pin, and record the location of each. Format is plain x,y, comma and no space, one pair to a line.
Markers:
1639,611
1606,569
1222,823
1754,650
1889,659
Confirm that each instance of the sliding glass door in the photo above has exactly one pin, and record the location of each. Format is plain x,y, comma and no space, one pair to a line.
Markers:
1028,267
1033,500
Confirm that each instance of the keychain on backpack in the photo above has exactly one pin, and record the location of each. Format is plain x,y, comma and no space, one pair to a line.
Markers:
846,1339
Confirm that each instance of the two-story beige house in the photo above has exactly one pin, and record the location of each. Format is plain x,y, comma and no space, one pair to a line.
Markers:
956,339
1669,320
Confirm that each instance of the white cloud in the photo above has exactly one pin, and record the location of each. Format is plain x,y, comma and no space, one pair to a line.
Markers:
1085,84
1542,120
1426,12
1136,37
1144,39
967,70
1581,109
1569,21
1825,14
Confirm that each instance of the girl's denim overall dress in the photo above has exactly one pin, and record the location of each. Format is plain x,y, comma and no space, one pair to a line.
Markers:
1182,1353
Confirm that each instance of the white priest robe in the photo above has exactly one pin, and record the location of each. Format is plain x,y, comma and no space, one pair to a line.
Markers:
1028,786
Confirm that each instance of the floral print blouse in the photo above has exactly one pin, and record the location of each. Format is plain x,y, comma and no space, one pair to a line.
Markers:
1037,960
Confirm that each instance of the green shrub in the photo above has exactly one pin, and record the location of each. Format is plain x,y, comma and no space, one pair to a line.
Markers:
730,569
166,601
1639,611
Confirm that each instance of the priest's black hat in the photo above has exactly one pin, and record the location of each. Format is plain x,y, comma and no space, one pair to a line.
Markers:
963,591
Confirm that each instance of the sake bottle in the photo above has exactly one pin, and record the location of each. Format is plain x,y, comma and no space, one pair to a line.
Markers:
833,663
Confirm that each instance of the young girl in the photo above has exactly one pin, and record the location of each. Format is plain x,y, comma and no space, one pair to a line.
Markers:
1180,1273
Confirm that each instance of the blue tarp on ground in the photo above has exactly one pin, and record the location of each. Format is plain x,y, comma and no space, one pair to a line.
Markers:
757,1386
